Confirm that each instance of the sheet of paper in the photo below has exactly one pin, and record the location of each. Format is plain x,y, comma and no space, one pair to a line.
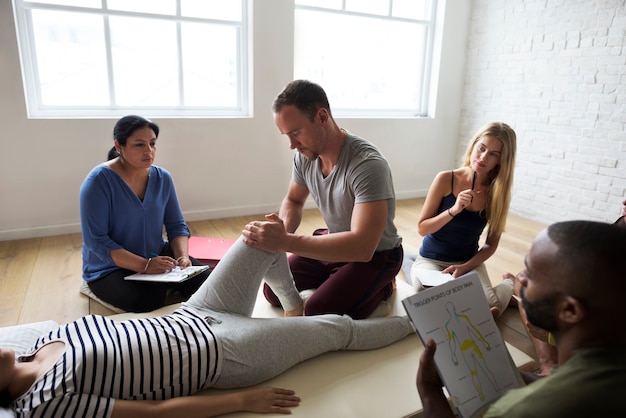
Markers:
175,276
432,277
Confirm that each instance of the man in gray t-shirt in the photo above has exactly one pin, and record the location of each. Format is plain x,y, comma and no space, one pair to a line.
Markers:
351,263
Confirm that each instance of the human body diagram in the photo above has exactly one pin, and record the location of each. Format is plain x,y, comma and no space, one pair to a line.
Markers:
463,340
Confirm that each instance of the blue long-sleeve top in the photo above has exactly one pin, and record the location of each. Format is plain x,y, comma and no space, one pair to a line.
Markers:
113,217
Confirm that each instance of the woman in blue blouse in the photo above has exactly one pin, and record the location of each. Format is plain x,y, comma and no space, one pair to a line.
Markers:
125,203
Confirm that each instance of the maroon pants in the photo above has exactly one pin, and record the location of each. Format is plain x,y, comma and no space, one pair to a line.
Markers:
354,288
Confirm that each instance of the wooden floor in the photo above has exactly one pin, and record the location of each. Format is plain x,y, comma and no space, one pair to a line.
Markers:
40,277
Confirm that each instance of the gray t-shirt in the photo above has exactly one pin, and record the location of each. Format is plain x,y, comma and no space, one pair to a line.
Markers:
361,175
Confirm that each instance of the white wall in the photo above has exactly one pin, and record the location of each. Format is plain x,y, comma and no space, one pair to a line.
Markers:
556,72
222,167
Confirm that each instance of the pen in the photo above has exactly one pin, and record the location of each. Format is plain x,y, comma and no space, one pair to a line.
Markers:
473,181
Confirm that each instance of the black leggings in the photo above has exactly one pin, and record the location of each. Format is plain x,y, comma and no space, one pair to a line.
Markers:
135,296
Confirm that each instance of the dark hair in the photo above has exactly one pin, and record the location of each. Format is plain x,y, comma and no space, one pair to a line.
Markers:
305,95
125,128
591,256
112,154
5,398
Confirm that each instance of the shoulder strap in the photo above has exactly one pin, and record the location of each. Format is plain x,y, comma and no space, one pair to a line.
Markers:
452,182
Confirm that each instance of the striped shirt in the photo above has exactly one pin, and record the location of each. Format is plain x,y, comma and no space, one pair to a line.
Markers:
139,359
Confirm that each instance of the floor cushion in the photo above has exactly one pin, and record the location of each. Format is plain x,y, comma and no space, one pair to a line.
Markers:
86,290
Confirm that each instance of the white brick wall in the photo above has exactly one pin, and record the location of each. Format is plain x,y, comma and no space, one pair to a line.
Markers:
555,70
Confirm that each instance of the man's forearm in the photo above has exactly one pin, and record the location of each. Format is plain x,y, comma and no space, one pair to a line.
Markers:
338,247
291,214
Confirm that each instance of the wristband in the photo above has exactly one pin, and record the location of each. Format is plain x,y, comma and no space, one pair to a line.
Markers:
147,264
450,213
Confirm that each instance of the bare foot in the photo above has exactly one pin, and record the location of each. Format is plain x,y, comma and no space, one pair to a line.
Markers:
297,311
515,299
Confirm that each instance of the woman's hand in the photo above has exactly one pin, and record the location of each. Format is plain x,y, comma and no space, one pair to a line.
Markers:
456,270
183,261
267,399
463,200
160,264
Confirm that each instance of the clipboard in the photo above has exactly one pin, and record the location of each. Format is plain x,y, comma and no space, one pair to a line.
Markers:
175,276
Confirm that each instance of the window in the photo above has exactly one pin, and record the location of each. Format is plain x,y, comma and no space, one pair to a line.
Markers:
373,57
103,58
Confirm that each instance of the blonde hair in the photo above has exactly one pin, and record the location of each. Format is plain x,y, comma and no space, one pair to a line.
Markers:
501,177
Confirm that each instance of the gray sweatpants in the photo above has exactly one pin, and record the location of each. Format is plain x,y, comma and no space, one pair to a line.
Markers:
257,349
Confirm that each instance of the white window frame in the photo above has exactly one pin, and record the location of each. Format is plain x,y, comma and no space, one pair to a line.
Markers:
36,109
430,25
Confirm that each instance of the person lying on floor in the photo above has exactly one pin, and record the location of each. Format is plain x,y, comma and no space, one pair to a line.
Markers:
98,367
572,287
